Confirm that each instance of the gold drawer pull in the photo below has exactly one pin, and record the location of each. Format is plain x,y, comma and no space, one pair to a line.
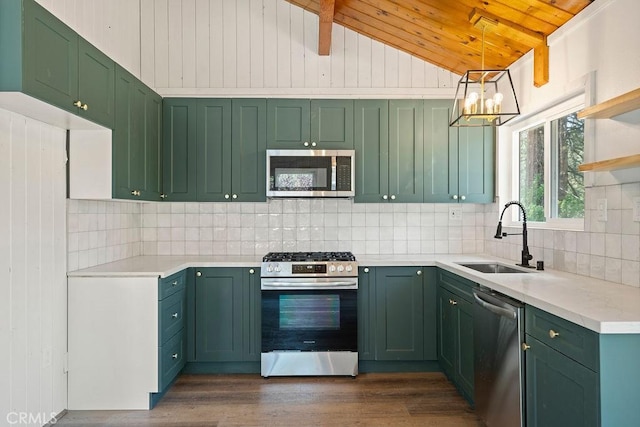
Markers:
174,355
174,283
174,315
553,334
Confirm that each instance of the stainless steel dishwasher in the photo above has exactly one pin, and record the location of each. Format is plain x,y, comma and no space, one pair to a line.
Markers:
498,359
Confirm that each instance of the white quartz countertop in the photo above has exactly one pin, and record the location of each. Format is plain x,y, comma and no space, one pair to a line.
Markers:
604,307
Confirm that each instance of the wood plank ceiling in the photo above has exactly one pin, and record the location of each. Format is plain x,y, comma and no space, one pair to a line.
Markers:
443,33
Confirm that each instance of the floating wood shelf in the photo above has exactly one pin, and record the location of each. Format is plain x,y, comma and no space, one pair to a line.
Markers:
612,164
615,106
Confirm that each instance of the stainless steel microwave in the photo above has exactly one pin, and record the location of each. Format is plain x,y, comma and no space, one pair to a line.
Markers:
310,173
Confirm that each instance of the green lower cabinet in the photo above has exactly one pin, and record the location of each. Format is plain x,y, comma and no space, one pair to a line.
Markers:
366,313
560,391
455,333
226,318
397,314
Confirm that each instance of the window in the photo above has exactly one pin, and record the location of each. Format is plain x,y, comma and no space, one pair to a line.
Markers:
545,177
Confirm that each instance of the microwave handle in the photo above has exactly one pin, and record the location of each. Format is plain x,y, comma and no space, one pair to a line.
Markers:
334,162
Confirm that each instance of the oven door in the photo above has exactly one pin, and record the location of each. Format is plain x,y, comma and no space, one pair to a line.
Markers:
309,320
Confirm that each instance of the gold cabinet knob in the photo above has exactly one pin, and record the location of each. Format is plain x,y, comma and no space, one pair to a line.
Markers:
393,197
313,144
306,144
174,315
454,197
251,271
174,283
77,104
525,346
366,269
553,334
163,196
419,272
226,196
174,355
463,198
234,196
85,107
198,273
385,197
453,302
135,192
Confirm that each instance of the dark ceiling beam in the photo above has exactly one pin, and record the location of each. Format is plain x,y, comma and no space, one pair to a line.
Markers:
327,8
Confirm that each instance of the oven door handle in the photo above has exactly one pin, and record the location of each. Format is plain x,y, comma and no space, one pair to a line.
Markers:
309,285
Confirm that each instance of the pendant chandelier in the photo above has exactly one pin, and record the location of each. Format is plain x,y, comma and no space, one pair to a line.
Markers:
484,97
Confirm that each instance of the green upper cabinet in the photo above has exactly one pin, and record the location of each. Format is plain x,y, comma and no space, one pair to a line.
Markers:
476,164
136,140
44,58
179,148
458,162
215,150
213,137
248,149
301,123
406,161
388,143
372,150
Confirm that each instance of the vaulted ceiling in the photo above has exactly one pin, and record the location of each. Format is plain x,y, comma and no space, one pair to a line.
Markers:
443,32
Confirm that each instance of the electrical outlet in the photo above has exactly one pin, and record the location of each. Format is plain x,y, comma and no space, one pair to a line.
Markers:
455,214
636,209
601,209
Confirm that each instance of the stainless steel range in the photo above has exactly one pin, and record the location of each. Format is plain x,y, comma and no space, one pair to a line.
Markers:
309,314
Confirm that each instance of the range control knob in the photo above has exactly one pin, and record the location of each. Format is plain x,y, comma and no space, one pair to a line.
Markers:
270,268
332,268
340,269
348,268
277,268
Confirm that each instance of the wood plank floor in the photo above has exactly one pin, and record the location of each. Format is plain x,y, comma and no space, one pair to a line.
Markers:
389,399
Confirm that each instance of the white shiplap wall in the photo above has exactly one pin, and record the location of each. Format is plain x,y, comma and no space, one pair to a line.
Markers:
269,47
113,26
33,286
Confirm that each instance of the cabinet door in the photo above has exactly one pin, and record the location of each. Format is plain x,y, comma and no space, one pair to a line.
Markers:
560,391
218,317
137,138
50,58
122,136
214,150
179,149
153,147
372,150
464,347
440,153
251,308
332,124
429,304
447,327
406,151
476,154
96,73
248,150
366,313
288,123
399,314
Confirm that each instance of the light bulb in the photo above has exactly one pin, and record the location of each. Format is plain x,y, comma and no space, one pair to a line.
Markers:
489,104
497,98
473,96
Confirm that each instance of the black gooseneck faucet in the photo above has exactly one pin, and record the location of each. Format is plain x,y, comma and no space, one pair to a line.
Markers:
526,256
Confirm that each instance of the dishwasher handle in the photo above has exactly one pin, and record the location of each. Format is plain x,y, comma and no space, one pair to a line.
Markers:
500,311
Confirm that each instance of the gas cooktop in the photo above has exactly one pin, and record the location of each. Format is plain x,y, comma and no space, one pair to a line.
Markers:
308,256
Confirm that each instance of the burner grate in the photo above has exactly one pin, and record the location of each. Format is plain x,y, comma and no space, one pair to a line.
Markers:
308,256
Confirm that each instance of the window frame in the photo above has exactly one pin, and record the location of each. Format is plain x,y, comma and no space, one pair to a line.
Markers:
545,118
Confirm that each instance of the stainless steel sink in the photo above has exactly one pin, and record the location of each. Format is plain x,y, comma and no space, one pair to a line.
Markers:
492,267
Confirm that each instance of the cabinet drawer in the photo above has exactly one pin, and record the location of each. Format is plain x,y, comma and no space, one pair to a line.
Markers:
456,284
172,284
572,340
171,361
171,316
